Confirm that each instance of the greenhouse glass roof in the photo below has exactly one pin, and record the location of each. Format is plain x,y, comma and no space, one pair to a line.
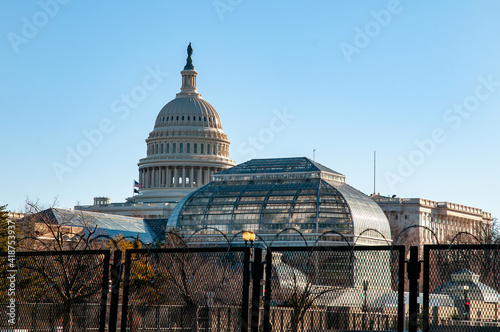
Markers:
277,165
270,195
106,224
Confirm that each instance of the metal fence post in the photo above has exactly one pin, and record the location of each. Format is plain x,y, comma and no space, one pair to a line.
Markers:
267,290
413,272
115,290
104,295
401,290
425,307
246,289
256,277
126,286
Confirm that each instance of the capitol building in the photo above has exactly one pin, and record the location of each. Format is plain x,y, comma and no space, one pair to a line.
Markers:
187,181
186,147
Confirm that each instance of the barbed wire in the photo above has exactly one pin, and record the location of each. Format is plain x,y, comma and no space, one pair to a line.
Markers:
89,241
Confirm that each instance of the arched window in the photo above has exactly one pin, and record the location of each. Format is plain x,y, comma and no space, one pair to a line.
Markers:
195,148
183,118
201,148
213,149
208,148
162,148
189,118
177,118
188,148
174,148
156,148
180,148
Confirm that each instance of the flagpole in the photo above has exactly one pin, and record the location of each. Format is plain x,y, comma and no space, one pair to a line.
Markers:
374,171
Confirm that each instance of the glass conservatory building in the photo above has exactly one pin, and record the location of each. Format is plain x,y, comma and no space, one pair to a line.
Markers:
301,199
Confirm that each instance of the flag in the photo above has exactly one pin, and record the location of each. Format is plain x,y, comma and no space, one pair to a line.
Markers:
137,185
136,191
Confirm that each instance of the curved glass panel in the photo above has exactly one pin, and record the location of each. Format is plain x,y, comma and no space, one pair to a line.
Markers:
309,205
271,200
365,212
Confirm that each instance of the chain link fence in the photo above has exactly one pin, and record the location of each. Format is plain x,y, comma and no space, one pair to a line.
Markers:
336,288
197,289
360,288
54,291
461,288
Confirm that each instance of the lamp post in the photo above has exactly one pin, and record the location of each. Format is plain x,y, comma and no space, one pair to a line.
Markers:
365,306
255,264
466,302
246,284
365,290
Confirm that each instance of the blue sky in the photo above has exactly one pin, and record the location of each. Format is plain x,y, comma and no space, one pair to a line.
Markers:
417,81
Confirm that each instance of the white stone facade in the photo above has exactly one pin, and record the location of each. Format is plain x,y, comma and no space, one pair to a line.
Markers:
14,216
444,219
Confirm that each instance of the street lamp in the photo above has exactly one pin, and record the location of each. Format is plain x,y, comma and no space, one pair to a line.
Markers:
365,307
255,266
248,236
466,302
365,290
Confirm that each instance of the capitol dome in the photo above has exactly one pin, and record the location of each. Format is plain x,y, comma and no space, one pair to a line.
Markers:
188,111
187,145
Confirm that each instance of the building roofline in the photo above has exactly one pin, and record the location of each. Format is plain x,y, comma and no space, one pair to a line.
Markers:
432,204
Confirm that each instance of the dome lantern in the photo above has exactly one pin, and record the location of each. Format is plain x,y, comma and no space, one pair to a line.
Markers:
188,87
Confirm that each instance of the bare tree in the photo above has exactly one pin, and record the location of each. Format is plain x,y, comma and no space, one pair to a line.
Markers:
489,233
5,225
57,276
310,278
185,277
